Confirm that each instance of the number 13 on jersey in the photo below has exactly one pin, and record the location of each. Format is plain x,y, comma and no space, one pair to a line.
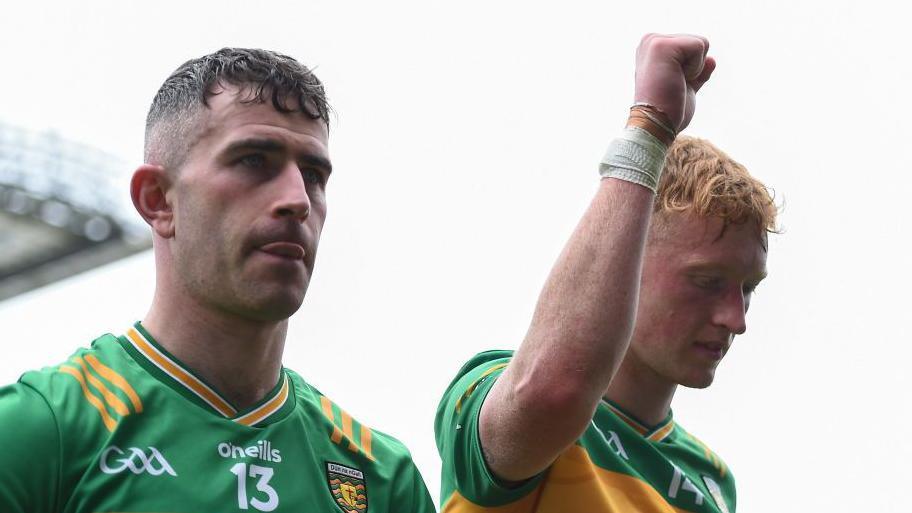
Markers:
262,475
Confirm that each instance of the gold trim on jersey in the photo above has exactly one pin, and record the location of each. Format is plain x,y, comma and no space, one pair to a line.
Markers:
268,408
662,432
575,483
78,369
639,428
657,435
344,429
174,369
471,388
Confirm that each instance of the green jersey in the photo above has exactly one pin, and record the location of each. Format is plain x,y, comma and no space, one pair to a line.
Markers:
125,427
617,465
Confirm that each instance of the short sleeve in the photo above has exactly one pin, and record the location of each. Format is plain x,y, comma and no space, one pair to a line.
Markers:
465,475
412,491
29,459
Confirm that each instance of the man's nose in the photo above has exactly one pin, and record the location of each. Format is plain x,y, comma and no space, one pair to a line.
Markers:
293,200
731,312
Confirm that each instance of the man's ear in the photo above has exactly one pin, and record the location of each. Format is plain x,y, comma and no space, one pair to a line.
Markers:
148,188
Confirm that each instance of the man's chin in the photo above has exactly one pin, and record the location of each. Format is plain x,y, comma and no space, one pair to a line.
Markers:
276,313
699,380
274,306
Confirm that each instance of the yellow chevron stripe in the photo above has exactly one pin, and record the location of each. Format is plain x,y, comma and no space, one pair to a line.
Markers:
366,441
347,430
264,411
328,411
112,400
109,422
180,375
115,379
471,388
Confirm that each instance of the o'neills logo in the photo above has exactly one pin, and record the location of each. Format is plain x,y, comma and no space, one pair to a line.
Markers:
262,450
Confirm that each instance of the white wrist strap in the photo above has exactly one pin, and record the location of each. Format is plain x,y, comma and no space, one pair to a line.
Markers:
636,156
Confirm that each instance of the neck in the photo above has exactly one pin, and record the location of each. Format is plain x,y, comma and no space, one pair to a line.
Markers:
641,392
240,358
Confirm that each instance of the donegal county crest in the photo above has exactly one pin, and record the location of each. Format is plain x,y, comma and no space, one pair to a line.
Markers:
348,487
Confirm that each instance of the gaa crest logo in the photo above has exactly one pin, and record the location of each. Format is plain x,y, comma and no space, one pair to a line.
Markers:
347,487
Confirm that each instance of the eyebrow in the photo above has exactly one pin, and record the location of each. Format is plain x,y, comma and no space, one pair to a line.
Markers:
271,145
709,266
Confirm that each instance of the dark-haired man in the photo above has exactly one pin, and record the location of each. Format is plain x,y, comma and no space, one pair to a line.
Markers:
191,409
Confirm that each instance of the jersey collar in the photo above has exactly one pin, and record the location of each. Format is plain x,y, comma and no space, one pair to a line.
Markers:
162,364
656,433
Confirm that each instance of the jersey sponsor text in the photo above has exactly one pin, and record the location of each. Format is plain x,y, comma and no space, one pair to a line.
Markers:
262,450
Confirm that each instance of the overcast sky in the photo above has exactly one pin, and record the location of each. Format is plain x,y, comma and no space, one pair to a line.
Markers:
465,150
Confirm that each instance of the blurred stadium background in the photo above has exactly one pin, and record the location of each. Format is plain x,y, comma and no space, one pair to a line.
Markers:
62,210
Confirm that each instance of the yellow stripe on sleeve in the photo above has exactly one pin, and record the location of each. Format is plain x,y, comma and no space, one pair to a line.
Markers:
471,388
366,441
109,422
112,400
347,431
117,380
328,411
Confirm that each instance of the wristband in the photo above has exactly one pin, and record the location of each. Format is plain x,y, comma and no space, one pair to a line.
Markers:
636,156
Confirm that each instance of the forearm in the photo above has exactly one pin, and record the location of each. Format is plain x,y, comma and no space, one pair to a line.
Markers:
578,336
586,312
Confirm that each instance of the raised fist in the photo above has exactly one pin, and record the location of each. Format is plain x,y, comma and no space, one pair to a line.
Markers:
670,69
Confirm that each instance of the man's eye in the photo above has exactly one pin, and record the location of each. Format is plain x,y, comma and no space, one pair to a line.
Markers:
312,176
254,161
708,282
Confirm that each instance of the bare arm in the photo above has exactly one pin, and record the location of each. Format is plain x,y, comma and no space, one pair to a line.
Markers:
585,314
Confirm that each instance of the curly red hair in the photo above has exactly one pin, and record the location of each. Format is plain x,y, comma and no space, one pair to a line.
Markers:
700,178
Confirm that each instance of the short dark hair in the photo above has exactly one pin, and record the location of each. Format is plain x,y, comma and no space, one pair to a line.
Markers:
264,76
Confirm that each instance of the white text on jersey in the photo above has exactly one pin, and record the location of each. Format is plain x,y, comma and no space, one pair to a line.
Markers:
262,450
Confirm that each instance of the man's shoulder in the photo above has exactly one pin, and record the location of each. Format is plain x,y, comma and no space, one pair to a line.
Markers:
87,367
352,452
702,452
95,387
69,407
477,368
481,368
486,359
344,430
615,436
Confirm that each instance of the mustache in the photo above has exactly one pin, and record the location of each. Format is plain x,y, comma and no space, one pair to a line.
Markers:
292,232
